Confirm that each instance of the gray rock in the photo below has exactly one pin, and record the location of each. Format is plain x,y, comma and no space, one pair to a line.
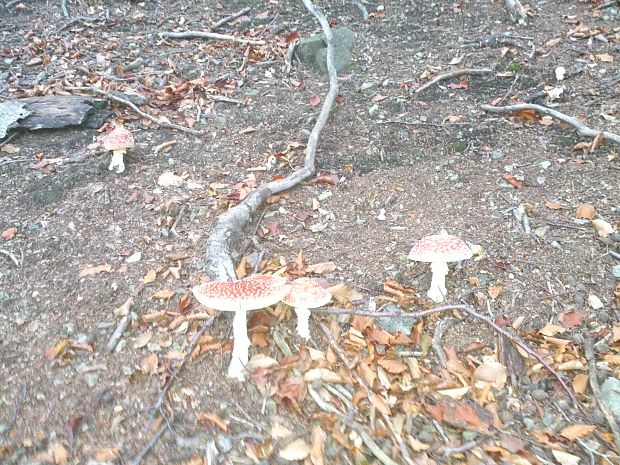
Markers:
396,324
497,155
610,396
224,444
539,394
193,442
615,270
313,50
91,379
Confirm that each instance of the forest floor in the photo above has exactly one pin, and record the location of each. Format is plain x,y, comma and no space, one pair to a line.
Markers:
393,165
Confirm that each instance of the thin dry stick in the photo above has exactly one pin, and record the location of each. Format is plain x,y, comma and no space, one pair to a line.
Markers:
210,36
452,74
470,311
351,368
230,18
227,231
121,327
173,375
596,390
582,130
152,119
370,443
148,446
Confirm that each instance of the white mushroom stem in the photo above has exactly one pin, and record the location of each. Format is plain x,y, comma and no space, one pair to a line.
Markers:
438,291
303,317
241,345
117,164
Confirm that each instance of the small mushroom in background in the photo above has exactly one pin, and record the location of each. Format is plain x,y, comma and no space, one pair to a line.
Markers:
258,291
118,140
438,250
306,293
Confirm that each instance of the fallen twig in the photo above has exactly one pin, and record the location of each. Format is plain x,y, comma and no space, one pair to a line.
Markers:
210,36
351,368
596,390
173,375
11,255
152,119
362,8
230,18
471,312
148,446
582,130
63,7
452,74
219,263
370,443
121,327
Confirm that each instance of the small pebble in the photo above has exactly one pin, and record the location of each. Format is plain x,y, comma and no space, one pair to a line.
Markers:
529,423
539,394
224,443
91,379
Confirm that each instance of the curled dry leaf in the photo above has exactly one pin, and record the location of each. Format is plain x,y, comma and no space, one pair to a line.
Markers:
585,211
321,268
564,458
322,374
213,419
315,100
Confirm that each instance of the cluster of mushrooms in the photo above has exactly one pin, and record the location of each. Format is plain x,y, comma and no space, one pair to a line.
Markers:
303,294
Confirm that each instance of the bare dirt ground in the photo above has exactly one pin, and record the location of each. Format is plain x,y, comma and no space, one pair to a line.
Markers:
79,241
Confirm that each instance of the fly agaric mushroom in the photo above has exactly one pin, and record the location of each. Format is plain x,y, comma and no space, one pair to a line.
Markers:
439,249
306,293
118,140
258,291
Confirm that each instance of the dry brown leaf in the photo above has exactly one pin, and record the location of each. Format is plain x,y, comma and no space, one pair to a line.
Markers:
553,205
612,359
605,58
143,339
164,294
553,42
392,366
494,291
321,268
344,294
552,330
491,371
580,383
95,269
318,440
148,365
59,453
585,211
603,228
416,445
149,277
583,146
9,234
213,419
578,430
380,403
546,120
107,454
53,352
296,450
323,374
615,332
564,458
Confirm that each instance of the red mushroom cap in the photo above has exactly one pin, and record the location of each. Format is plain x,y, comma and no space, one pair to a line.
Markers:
440,248
307,293
118,139
258,291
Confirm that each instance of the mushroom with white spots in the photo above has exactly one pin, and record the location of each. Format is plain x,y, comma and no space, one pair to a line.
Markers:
258,291
306,293
118,141
438,250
